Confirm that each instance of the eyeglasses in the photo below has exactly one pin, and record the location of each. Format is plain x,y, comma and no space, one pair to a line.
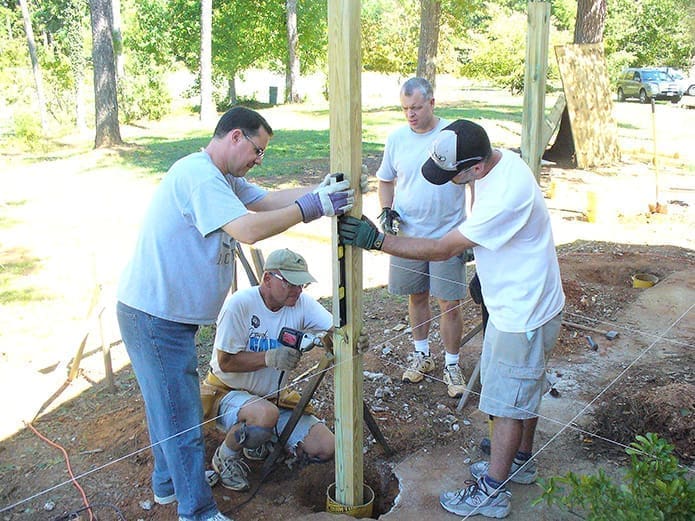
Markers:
260,152
286,283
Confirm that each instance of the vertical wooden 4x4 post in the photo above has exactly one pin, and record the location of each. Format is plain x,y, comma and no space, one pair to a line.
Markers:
344,95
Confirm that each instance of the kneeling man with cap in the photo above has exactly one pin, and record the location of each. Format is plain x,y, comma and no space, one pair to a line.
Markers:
251,366
510,233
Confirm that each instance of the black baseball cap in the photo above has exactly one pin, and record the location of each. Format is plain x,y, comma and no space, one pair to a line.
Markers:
460,145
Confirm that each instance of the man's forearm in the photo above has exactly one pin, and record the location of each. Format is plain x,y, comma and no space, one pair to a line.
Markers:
421,248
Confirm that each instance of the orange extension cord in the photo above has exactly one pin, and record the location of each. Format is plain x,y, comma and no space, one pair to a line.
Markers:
67,461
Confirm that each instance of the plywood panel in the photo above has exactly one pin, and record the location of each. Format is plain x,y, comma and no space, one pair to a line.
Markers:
589,103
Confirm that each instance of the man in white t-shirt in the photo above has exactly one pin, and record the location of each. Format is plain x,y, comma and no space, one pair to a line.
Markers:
252,366
510,233
412,207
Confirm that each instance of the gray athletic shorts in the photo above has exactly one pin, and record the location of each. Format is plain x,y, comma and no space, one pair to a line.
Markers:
445,280
235,400
512,370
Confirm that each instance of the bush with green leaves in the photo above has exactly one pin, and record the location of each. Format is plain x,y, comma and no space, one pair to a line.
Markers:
655,488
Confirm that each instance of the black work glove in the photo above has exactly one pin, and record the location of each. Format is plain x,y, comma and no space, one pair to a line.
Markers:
389,220
283,358
362,233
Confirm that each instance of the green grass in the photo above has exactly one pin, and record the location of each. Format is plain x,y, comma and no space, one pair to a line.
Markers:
11,273
293,151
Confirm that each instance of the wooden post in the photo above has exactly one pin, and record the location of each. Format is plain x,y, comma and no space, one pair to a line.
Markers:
344,88
532,121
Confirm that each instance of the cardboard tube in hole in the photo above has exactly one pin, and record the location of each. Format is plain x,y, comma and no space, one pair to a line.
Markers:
357,511
644,280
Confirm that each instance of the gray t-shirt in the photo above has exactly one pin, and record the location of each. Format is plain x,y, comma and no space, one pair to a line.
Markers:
182,266
426,210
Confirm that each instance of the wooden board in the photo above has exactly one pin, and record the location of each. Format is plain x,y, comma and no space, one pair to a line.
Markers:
590,103
345,117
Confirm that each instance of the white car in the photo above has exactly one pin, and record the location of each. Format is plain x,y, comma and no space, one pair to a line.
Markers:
686,84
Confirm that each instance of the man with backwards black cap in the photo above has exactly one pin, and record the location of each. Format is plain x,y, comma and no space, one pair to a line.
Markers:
510,233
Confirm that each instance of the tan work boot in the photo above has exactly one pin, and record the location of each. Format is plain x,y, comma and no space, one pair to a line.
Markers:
420,365
454,380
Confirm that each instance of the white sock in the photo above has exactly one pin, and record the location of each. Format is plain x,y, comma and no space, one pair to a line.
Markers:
422,346
450,359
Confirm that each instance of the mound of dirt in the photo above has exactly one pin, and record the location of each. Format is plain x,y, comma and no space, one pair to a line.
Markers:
666,410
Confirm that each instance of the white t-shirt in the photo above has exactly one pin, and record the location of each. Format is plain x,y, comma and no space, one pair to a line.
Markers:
182,266
426,210
246,324
515,257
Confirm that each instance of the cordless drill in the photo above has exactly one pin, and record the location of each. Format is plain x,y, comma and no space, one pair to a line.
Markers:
299,340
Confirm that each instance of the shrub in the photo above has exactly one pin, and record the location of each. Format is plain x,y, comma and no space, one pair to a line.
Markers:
655,488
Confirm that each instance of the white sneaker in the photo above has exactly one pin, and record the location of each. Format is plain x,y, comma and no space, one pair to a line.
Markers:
524,473
232,471
477,499
217,517
420,365
164,500
453,378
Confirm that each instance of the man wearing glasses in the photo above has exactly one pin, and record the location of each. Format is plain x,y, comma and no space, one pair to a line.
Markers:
251,367
178,277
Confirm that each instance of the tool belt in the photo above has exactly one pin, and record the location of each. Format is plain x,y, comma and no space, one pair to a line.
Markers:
212,390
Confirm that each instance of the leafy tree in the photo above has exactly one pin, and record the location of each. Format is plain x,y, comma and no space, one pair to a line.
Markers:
142,92
649,32
207,107
390,35
38,79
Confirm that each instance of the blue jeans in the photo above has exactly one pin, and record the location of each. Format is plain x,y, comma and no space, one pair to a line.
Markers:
163,357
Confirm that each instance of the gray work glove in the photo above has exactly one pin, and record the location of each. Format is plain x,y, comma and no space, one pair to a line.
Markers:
364,180
283,358
331,197
390,221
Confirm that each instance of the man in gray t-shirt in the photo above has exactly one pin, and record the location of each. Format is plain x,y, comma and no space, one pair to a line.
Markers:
178,277
423,210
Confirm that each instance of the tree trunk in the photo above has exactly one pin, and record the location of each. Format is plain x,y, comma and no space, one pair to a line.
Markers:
231,90
430,12
108,132
591,20
292,72
117,37
207,105
34,64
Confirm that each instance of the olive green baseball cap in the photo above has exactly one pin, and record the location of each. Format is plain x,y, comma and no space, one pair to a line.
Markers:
291,266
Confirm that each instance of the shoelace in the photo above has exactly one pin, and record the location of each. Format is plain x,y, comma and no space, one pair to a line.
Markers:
230,465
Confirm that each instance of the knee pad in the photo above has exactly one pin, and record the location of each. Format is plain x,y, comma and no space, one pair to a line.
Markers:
251,436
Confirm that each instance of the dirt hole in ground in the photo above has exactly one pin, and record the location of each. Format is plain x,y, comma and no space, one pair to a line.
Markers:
305,486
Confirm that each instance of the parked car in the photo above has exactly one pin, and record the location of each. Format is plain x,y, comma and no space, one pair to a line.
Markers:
647,83
686,84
